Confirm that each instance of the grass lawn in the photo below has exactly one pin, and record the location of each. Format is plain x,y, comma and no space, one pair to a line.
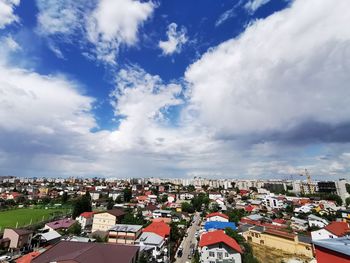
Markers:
25,216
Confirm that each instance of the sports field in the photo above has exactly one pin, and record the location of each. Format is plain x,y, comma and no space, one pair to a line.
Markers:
25,216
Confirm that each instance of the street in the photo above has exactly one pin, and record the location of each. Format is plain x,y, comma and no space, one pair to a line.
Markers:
190,239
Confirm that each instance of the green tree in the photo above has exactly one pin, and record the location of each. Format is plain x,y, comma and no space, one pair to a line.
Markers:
174,232
347,187
214,207
164,198
186,207
127,194
64,197
336,198
235,215
74,229
110,203
347,201
82,204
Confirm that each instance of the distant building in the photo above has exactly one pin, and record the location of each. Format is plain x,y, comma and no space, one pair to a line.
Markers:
327,187
335,250
216,246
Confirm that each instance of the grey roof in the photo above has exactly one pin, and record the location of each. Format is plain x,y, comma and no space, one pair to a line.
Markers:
244,227
340,245
149,238
255,217
316,218
304,239
51,235
125,228
258,228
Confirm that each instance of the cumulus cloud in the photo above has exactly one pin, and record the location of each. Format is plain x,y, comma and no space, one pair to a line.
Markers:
278,75
7,15
176,39
114,23
253,5
105,24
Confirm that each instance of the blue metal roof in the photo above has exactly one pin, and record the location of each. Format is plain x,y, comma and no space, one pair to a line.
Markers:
219,225
341,245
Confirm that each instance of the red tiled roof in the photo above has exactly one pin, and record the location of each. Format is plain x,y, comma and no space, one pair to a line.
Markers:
219,236
279,221
249,208
87,214
159,228
217,214
28,258
338,228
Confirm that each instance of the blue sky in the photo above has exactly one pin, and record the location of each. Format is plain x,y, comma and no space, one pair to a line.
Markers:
130,88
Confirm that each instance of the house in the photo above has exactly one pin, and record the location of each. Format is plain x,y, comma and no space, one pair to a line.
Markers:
333,230
186,196
273,202
299,224
216,246
88,252
335,250
217,217
62,224
85,219
287,242
316,221
105,220
160,228
218,225
214,196
47,238
161,213
124,234
154,245
19,238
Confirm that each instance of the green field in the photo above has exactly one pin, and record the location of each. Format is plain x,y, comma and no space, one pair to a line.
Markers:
26,216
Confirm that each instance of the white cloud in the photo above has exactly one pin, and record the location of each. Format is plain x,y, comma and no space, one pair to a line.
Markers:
253,5
106,24
62,17
225,16
176,39
116,22
7,15
288,69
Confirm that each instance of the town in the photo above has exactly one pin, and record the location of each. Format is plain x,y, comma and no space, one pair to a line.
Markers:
173,220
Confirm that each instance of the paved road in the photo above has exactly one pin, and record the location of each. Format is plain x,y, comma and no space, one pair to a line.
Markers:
187,241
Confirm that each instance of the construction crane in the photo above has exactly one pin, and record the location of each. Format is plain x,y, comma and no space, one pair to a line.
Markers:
309,182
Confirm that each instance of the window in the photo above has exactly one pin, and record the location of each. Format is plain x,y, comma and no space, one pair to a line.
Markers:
219,254
211,254
261,242
226,255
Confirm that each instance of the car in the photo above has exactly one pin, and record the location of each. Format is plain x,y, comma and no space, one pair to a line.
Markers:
179,253
186,234
5,258
189,256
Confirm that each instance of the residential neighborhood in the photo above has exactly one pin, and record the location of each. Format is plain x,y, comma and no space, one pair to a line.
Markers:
165,220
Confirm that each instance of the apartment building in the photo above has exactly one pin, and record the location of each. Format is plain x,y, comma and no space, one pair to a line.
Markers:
124,234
